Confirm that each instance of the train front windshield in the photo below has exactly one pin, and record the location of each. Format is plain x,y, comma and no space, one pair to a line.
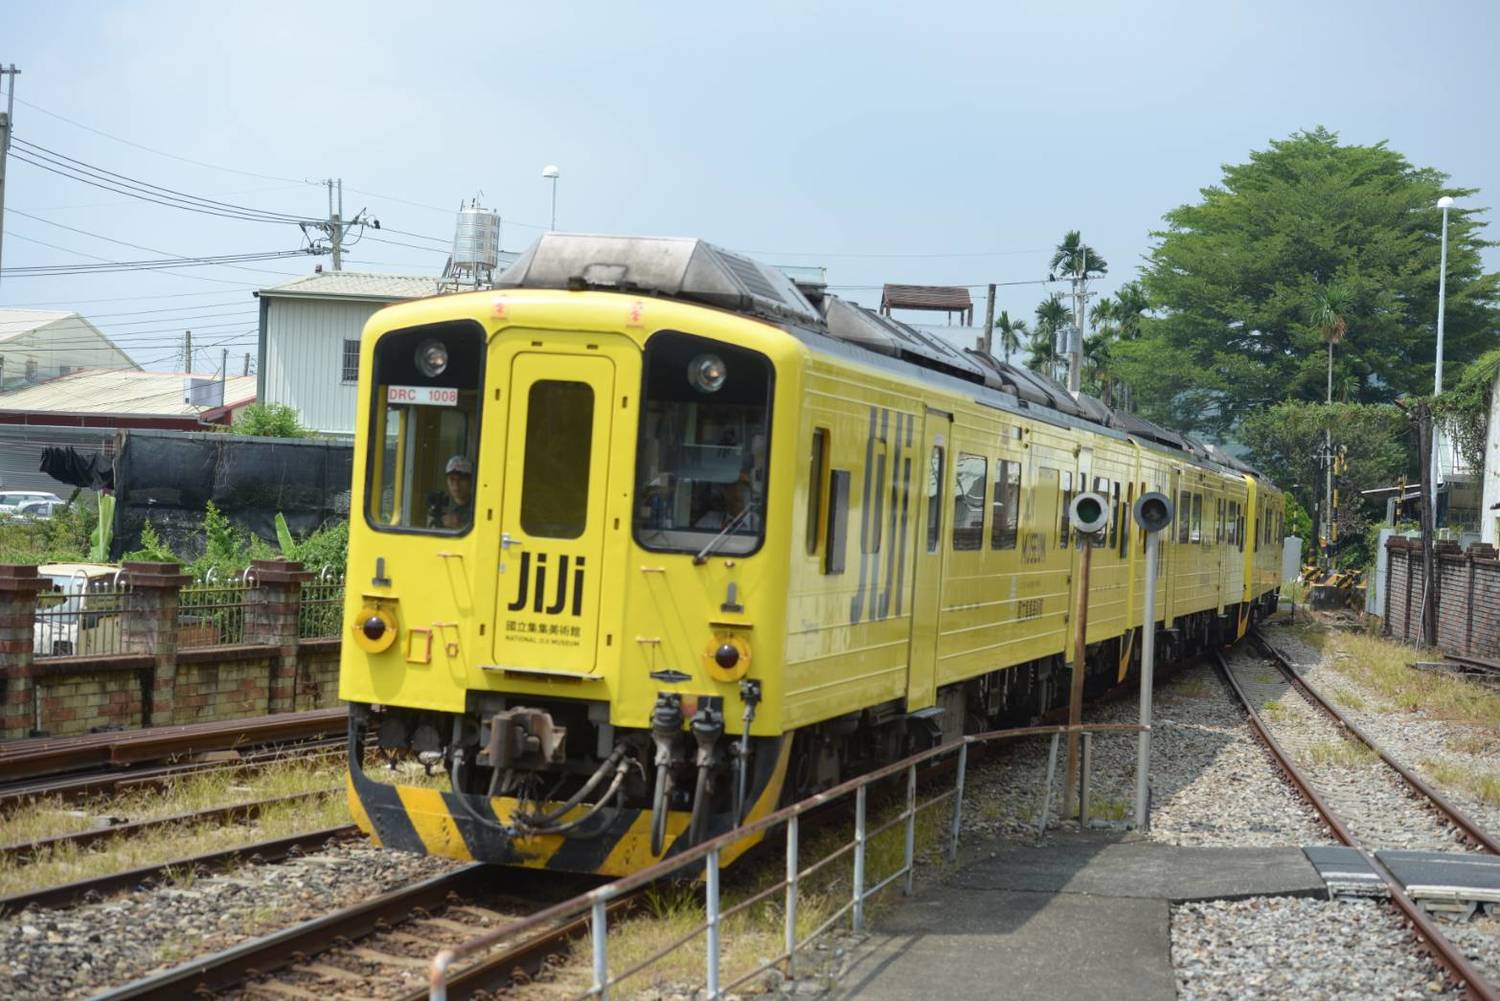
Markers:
424,442
705,422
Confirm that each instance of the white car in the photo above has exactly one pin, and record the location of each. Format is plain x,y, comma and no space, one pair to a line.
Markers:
12,500
80,614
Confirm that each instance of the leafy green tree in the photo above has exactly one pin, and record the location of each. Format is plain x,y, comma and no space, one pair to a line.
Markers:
1231,279
1011,332
1286,443
1074,258
269,420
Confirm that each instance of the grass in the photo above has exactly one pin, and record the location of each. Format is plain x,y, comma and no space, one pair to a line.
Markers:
1110,809
1349,698
1341,753
1476,743
1381,666
755,934
66,863
1482,784
1196,688
1274,711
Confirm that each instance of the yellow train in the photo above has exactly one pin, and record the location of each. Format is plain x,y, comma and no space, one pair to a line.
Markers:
650,539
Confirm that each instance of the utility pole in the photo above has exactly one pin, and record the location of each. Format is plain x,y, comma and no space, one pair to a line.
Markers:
987,341
5,130
336,222
1080,317
223,374
247,363
187,351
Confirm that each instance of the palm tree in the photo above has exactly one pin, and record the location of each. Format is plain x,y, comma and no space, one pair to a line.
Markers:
1330,310
1075,259
1051,316
1011,332
1129,307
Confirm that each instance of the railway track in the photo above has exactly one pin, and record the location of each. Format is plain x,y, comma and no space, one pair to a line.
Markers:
381,947
1274,685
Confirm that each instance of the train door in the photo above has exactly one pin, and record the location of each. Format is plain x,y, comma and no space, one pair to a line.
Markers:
557,452
927,572
1172,550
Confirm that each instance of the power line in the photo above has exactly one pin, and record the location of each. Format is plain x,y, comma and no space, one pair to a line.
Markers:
118,184
157,296
106,266
123,243
169,156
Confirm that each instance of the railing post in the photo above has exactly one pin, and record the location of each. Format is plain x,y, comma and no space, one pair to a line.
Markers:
1041,823
18,590
150,626
711,895
791,896
273,609
859,859
601,955
1083,792
911,827
958,800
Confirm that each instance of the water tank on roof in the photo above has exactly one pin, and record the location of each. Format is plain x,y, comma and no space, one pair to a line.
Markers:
476,239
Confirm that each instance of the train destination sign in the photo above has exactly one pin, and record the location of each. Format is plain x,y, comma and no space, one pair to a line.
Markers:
422,396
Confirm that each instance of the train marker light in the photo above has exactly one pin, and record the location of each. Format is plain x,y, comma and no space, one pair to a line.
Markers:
707,372
1153,511
1089,513
432,358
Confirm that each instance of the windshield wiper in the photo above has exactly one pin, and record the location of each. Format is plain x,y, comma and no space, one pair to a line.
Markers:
729,526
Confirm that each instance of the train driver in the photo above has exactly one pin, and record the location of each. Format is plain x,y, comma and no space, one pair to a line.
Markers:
455,509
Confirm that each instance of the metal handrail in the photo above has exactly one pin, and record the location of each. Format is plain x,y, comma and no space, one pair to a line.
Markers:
596,902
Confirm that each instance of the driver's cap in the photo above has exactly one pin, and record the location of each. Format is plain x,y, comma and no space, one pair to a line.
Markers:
460,464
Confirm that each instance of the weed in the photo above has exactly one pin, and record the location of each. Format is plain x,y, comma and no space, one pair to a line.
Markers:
1274,711
1109,809
1483,785
1349,698
1340,753
1474,743
1381,666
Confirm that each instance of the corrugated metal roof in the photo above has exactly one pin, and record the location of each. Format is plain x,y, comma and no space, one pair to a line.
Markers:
15,322
121,391
357,285
942,297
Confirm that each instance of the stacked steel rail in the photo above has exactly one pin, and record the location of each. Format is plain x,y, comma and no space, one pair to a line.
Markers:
1428,933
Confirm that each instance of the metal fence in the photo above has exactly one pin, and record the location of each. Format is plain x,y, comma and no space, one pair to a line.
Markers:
82,617
595,905
212,613
322,610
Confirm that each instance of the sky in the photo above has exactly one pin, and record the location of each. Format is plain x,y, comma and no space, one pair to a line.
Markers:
924,143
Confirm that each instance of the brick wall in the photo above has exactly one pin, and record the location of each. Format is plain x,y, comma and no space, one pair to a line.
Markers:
152,681
1468,597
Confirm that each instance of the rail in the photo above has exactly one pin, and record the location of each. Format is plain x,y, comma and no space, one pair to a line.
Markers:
83,617
594,905
212,613
321,612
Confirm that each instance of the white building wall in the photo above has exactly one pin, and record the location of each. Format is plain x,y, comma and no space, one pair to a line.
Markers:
305,355
1489,518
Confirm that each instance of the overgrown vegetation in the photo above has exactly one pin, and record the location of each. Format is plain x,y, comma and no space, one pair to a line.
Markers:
1482,784
62,538
228,550
1463,411
270,420
1381,666
1338,752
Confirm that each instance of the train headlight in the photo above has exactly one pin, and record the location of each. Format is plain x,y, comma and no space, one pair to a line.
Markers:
374,628
727,658
707,372
432,358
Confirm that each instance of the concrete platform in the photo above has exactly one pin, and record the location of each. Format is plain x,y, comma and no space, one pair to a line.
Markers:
1080,916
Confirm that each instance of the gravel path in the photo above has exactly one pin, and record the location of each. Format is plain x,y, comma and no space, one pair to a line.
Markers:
1212,783
79,951
1289,947
1363,791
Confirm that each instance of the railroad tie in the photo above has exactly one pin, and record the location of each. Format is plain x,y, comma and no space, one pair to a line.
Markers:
390,959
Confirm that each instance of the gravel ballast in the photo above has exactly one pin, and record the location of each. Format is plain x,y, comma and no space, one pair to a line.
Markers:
76,952
1289,947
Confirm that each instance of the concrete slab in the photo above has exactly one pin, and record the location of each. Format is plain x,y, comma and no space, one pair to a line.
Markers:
1017,945
1114,867
1078,916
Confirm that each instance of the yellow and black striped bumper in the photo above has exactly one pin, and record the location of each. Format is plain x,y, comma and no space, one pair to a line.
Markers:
478,828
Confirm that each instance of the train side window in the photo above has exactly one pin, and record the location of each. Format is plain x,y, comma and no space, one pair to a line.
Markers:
1114,522
838,521
817,489
1006,517
1064,526
968,502
1125,516
934,498
1184,514
1197,535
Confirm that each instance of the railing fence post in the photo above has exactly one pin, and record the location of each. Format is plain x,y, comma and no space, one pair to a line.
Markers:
1083,793
958,800
791,896
1041,822
711,894
859,859
911,828
601,956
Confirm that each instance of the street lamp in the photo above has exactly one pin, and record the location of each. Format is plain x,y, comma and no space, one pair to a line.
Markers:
551,173
1444,203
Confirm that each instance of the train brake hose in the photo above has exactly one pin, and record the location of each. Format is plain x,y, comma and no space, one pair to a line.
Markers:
659,808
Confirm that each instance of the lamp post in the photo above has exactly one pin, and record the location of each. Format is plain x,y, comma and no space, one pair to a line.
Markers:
1444,203
551,173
